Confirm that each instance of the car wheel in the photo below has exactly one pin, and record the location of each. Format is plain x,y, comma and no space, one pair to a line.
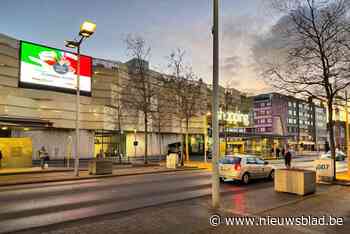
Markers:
272,175
245,178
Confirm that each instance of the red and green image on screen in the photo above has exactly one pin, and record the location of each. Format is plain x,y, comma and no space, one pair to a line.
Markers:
54,69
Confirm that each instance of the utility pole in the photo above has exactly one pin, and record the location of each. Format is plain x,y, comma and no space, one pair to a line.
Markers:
215,122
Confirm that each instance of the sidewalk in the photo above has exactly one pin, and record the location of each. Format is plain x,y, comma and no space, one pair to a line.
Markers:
344,177
36,175
192,216
208,165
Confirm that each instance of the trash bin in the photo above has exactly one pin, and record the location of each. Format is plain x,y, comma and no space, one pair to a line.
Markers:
171,160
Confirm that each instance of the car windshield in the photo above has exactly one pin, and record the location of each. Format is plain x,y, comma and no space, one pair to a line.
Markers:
230,160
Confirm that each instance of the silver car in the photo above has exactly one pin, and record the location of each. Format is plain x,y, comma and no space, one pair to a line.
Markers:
244,168
339,155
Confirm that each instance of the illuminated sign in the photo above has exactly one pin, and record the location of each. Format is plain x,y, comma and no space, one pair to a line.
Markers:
53,69
234,117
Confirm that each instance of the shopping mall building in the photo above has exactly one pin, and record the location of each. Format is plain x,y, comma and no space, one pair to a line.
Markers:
35,107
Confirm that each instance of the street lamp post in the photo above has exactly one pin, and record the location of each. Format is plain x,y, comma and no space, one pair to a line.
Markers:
215,120
86,30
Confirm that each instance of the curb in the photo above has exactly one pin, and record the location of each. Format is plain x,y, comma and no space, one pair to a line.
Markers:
341,182
35,172
96,177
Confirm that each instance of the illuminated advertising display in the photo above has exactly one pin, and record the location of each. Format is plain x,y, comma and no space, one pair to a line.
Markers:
47,68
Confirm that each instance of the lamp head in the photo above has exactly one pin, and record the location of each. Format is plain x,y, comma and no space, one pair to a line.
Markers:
71,44
87,29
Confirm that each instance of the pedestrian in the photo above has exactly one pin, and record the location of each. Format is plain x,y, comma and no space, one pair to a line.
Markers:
287,158
278,153
283,152
0,158
44,157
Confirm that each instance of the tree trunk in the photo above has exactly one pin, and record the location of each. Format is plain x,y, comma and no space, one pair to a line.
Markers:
225,128
160,145
146,139
186,142
226,139
331,136
182,140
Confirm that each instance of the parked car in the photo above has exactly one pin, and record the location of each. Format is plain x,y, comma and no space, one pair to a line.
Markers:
339,155
244,168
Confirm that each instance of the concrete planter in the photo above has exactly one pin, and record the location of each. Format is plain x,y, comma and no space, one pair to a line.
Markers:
295,181
100,167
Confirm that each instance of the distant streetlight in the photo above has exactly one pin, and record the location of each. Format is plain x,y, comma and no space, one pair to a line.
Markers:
86,30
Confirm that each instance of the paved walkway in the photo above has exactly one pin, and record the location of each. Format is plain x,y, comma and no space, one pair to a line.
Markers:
14,171
344,176
208,165
36,175
192,216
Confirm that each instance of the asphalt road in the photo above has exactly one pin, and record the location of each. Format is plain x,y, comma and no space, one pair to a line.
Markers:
25,207
28,206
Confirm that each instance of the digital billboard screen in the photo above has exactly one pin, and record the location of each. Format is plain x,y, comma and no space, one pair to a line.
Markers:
43,67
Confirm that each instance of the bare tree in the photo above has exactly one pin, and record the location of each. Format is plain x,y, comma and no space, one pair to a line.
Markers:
307,52
187,90
142,85
161,110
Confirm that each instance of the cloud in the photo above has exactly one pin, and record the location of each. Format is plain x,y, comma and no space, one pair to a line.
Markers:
238,35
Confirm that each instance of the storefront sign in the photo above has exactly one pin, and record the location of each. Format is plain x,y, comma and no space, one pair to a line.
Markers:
234,117
53,69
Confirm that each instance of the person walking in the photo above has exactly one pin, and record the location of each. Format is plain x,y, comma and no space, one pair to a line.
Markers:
44,157
287,158
278,153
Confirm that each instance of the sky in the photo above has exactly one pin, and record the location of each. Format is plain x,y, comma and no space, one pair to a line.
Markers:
165,24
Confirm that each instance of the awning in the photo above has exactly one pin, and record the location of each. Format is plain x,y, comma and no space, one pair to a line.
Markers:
307,142
253,135
24,122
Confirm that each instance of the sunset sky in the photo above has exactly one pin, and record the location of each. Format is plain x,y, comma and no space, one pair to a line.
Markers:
165,24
